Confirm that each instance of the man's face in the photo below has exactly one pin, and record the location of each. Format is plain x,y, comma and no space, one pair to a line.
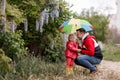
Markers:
79,34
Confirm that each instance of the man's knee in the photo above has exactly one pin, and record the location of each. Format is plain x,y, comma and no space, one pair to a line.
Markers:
80,60
76,61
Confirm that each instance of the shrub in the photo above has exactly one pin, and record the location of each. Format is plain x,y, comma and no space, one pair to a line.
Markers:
13,44
55,54
4,63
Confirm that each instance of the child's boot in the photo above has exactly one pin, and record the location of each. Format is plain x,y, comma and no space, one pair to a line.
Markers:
71,71
68,71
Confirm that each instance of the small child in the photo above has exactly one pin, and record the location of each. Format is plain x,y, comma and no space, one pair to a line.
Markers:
71,53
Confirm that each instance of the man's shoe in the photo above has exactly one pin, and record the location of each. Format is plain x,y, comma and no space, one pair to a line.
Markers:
93,71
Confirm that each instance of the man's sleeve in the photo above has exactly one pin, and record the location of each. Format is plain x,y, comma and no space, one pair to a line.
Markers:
89,44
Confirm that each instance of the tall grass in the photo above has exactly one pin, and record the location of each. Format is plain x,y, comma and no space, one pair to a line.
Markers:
33,68
111,52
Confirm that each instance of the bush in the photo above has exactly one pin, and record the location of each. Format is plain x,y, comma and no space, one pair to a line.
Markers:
13,44
56,53
4,63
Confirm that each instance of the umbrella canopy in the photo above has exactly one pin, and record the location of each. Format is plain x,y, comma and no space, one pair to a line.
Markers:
72,25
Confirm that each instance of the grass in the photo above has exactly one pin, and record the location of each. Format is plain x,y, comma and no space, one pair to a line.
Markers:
39,70
111,52
32,68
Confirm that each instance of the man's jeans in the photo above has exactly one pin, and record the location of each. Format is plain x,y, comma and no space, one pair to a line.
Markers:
87,61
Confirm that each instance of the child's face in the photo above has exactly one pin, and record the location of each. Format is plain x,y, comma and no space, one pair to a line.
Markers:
74,39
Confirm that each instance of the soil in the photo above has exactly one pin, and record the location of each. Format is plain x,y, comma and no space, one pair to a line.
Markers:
108,70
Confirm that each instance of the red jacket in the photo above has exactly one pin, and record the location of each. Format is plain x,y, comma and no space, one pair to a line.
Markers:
88,45
71,49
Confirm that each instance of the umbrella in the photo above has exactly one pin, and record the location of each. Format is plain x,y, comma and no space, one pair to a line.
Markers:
73,24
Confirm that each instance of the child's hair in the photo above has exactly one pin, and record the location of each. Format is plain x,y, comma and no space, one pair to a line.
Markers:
71,36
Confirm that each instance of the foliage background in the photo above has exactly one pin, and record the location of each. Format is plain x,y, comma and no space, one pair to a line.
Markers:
31,51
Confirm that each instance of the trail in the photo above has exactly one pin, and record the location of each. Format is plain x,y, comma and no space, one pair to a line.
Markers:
113,66
108,70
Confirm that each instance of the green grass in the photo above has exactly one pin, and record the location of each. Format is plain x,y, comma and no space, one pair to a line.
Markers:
32,68
35,67
111,52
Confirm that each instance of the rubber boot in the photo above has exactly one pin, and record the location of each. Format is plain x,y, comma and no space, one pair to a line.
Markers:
68,71
71,71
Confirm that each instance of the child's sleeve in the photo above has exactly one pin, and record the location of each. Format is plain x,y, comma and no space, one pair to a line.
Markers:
71,47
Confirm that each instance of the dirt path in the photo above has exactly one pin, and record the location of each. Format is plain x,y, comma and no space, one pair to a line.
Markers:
108,70
113,66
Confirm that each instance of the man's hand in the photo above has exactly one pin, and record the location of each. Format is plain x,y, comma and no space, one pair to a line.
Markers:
79,50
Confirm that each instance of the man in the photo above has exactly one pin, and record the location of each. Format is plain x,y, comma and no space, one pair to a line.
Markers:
90,50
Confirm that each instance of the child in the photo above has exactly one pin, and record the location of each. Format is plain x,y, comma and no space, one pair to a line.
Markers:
71,53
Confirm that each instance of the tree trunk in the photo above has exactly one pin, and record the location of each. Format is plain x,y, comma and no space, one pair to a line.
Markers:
52,44
3,15
13,26
64,39
37,25
26,24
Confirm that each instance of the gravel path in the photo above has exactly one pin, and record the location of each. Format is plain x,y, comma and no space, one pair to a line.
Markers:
113,66
108,70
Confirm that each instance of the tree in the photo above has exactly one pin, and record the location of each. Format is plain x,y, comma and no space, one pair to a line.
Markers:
2,15
99,22
42,20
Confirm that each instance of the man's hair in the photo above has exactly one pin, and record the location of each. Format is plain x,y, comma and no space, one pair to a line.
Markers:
81,30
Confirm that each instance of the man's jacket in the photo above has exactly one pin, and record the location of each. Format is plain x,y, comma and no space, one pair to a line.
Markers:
90,46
